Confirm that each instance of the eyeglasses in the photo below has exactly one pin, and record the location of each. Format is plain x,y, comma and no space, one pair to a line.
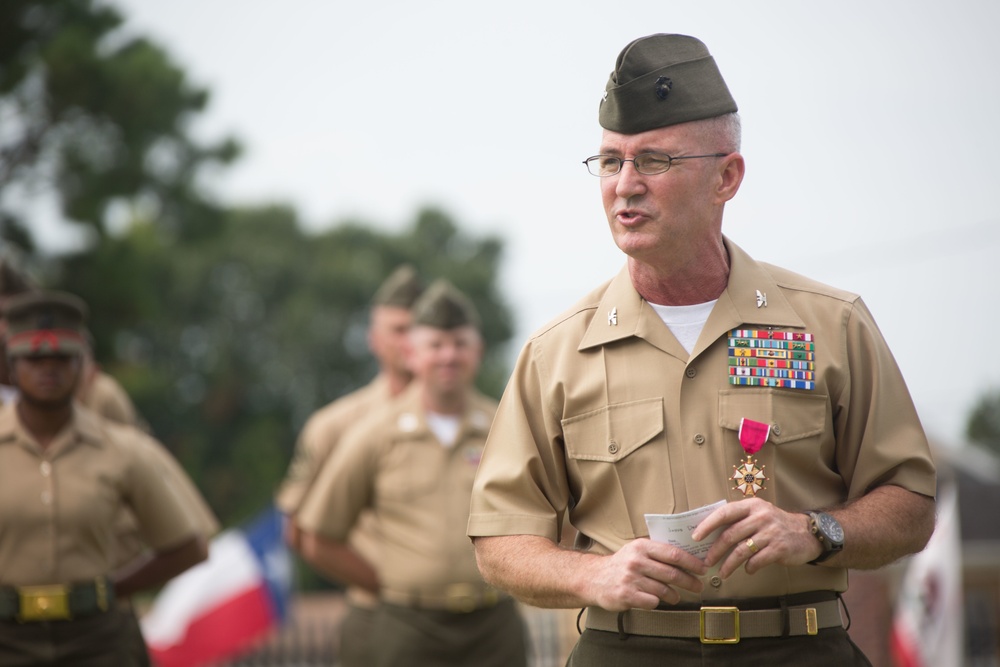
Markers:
644,163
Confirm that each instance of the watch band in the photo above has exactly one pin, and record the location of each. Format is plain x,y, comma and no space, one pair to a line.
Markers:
829,547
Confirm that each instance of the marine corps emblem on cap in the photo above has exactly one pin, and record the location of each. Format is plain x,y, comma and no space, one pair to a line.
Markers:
663,80
40,323
400,289
442,306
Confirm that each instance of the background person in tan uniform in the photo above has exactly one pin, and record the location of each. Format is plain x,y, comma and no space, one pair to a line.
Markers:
698,375
388,333
102,394
413,464
66,472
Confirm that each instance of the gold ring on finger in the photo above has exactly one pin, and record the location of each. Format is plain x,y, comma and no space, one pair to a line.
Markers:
751,545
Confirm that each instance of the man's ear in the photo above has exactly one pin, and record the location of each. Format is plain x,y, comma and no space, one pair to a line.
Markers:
733,169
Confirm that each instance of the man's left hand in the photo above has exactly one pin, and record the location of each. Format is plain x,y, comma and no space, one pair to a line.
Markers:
757,534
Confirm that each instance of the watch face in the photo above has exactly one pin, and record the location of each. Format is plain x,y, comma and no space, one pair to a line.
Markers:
832,528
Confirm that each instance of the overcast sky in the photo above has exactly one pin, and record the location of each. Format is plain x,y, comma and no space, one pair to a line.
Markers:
870,136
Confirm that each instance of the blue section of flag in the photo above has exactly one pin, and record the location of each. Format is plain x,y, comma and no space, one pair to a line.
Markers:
265,536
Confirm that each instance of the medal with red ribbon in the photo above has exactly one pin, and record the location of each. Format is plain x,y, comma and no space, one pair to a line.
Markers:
747,477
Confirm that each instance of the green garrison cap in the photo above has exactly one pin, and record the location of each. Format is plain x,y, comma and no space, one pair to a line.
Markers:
663,80
400,289
41,322
442,306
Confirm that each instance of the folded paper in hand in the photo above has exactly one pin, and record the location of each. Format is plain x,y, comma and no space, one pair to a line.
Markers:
676,529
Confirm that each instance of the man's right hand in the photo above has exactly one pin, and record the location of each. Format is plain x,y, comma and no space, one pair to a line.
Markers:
539,572
642,574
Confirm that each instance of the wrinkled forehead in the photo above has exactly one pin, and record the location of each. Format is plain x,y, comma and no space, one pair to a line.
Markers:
673,139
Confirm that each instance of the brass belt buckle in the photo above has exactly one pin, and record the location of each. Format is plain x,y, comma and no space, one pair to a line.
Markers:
735,639
461,598
43,603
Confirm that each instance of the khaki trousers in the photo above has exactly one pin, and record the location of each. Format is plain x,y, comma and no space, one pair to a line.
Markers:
355,636
92,641
408,637
830,648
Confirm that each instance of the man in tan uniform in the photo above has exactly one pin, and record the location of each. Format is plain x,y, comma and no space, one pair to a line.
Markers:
698,375
66,474
412,463
387,339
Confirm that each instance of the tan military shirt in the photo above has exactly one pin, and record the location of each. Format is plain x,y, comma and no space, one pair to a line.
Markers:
130,543
58,505
608,418
106,397
319,436
417,488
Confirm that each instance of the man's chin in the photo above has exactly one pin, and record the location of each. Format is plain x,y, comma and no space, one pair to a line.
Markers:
47,403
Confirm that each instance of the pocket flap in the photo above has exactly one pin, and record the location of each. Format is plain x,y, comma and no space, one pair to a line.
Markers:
791,416
613,432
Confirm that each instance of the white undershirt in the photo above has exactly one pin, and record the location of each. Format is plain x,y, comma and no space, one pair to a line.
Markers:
8,394
685,322
445,427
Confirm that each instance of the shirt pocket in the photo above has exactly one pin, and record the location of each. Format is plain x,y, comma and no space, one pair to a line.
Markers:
409,470
792,416
796,462
614,462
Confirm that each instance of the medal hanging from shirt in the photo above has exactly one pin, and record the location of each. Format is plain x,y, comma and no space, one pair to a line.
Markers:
747,478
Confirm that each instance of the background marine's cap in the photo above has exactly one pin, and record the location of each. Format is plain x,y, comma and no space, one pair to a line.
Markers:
400,289
442,306
663,80
41,322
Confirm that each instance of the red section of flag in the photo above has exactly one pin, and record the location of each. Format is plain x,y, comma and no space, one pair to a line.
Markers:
224,631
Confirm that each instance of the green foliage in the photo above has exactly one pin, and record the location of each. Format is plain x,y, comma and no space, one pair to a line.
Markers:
228,345
98,119
983,426
228,327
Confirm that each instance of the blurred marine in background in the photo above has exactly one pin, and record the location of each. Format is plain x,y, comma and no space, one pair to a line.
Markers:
66,475
388,333
104,395
412,464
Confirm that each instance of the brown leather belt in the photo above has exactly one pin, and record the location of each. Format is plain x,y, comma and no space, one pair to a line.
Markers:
456,598
720,625
55,602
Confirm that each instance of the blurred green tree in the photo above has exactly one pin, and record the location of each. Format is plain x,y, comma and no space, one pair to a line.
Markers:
97,120
227,326
228,345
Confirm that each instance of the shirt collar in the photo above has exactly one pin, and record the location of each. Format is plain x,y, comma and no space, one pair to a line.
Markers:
412,418
622,313
85,426
89,425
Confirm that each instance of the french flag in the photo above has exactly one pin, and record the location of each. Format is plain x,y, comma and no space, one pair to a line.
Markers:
223,606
